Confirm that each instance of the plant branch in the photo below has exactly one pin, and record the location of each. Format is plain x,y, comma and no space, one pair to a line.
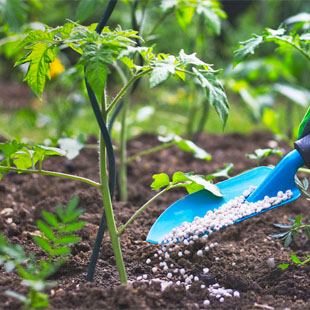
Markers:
151,150
53,173
138,212
125,88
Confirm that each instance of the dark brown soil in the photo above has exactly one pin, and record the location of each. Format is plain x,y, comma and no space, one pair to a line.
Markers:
243,249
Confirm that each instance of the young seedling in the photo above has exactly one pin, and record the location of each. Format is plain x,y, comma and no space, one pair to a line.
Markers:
99,48
259,154
57,234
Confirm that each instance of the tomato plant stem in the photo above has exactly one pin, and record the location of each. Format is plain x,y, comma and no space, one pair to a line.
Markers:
55,174
107,202
109,213
123,150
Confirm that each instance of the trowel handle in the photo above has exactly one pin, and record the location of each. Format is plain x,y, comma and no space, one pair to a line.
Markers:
303,147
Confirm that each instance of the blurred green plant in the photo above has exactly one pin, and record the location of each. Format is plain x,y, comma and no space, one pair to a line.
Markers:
57,234
260,81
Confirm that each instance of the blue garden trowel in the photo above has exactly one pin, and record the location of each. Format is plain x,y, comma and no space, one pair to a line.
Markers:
268,181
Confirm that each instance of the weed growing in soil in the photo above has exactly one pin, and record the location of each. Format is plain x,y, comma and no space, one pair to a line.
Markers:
259,154
296,228
56,234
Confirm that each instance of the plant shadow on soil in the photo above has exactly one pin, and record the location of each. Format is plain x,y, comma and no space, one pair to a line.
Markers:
243,249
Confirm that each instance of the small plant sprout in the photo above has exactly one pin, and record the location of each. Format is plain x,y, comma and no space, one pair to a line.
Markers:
57,235
259,154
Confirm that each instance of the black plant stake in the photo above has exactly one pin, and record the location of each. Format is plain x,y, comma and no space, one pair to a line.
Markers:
110,152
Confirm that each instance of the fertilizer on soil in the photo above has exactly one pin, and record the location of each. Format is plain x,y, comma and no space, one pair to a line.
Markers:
182,243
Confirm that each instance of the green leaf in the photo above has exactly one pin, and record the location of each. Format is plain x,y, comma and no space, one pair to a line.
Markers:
298,95
295,259
215,93
43,243
41,55
67,240
189,146
288,239
283,266
9,148
25,159
278,236
160,180
71,146
96,58
60,251
17,296
261,153
47,231
211,18
221,173
179,177
204,184
85,9
192,59
247,47
74,226
162,70
51,219
298,220
304,125
184,15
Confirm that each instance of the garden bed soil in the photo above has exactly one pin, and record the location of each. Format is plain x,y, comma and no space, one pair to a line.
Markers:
243,249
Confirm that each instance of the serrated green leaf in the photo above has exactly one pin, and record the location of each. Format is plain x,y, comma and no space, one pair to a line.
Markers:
67,240
162,70
85,9
295,259
46,230
189,146
283,266
215,93
247,47
212,19
96,58
192,59
51,219
10,147
41,55
160,180
60,251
